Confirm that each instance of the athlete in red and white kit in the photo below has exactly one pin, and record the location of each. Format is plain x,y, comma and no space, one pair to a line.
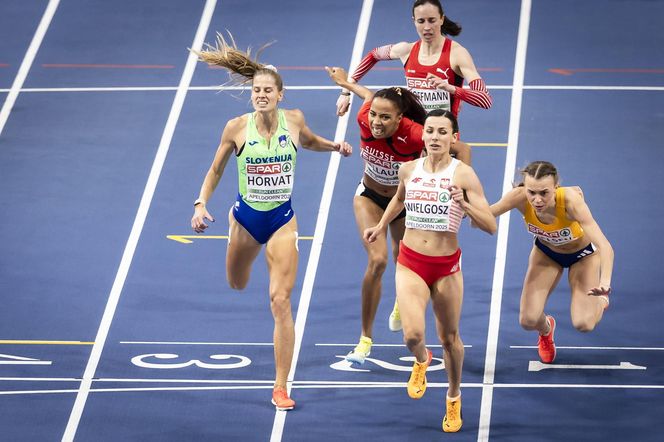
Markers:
435,68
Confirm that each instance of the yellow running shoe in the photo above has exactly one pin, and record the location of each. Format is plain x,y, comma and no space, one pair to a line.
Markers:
360,352
395,318
452,421
417,384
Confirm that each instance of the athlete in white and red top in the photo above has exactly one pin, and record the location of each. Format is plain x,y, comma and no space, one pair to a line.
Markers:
428,201
435,190
435,67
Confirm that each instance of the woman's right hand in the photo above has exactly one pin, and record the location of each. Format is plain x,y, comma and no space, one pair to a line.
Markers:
343,103
198,220
372,233
340,77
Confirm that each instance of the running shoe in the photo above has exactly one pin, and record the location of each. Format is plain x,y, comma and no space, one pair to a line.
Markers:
395,318
417,384
545,345
281,400
360,352
453,419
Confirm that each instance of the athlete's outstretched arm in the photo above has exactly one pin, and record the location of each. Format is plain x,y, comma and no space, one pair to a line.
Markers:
578,210
312,141
514,199
340,77
226,147
387,52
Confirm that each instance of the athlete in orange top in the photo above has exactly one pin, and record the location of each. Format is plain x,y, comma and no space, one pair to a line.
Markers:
566,236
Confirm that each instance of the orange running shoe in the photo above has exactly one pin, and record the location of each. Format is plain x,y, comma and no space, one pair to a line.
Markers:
545,345
281,400
417,384
453,417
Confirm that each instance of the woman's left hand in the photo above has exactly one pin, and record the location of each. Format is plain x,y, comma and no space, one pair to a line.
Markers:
457,194
337,74
599,291
440,83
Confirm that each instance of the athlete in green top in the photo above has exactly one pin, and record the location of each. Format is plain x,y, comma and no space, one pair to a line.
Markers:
266,167
264,142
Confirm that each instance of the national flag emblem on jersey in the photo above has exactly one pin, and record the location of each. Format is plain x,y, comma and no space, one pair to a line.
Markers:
283,140
444,183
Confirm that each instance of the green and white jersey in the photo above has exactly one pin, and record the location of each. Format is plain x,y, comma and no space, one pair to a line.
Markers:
266,168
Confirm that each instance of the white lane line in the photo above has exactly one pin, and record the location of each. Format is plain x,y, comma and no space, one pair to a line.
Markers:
320,88
503,227
243,344
323,88
338,385
624,365
321,221
26,64
139,221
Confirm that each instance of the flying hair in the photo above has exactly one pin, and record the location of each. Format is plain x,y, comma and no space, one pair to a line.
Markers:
241,65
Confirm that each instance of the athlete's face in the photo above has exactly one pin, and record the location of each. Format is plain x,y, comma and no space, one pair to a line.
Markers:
541,193
384,118
438,135
428,21
265,95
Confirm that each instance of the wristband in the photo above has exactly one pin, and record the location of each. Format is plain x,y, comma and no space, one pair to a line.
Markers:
199,201
345,93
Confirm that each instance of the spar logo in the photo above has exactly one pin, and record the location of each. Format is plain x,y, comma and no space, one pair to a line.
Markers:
422,195
561,234
269,169
418,83
444,196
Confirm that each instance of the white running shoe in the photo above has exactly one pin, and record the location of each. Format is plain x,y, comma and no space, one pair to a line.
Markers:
360,352
395,318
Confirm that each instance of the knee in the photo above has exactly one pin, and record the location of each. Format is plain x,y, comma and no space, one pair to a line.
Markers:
528,322
450,340
583,324
376,266
280,303
237,280
413,338
237,284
